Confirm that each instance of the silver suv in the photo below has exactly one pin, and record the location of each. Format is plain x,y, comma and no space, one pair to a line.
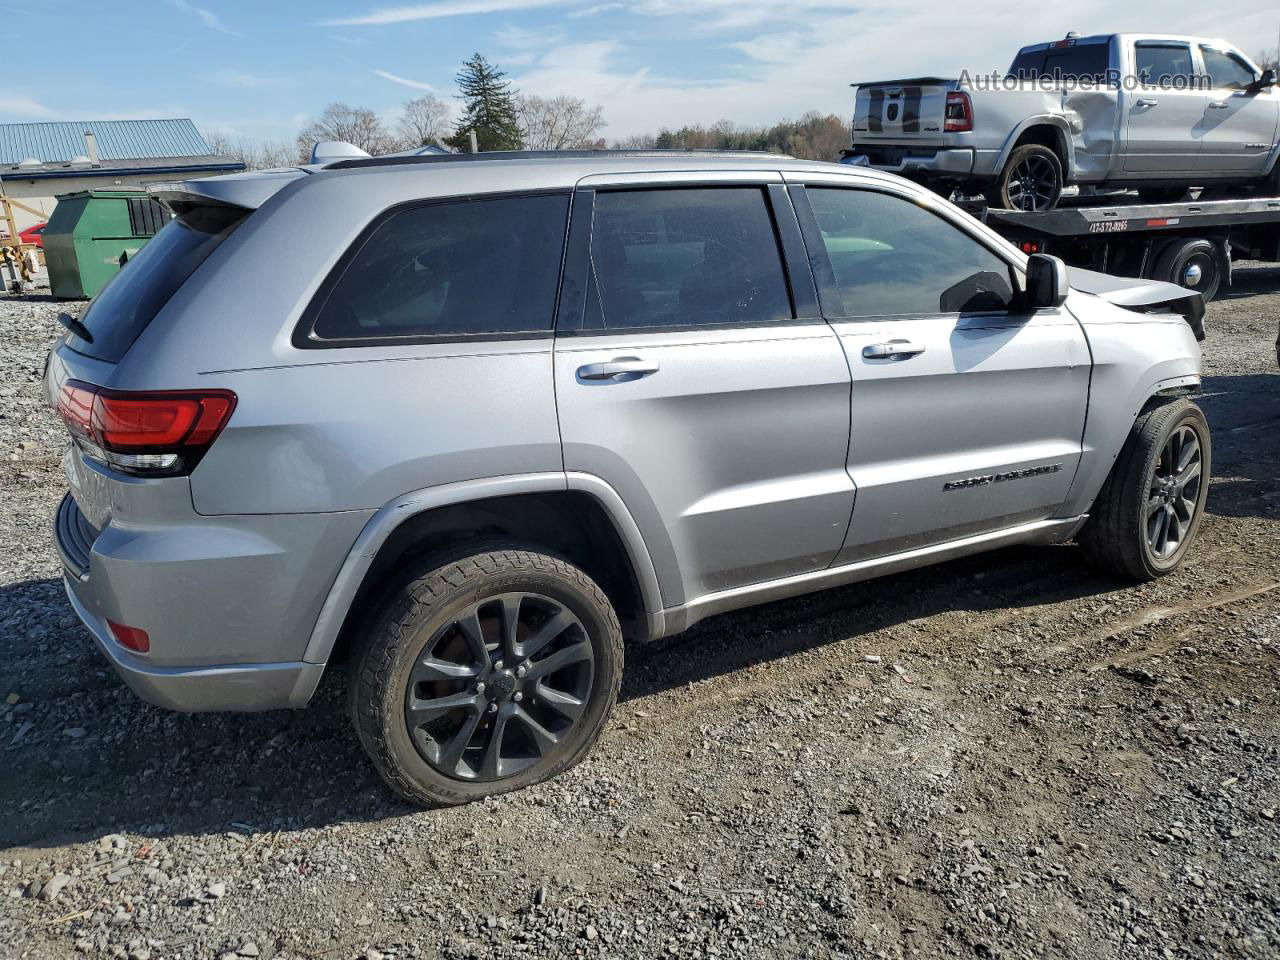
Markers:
471,422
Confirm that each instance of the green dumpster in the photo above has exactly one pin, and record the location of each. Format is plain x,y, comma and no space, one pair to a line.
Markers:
93,233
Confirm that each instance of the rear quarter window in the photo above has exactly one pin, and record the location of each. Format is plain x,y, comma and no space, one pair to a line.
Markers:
477,267
130,301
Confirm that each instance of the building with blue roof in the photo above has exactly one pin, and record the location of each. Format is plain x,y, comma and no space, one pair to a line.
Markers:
40,161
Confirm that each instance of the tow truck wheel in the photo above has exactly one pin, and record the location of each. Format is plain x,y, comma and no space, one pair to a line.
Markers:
1031,180
1192,264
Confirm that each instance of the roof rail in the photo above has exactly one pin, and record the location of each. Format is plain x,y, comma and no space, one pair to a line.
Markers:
394,160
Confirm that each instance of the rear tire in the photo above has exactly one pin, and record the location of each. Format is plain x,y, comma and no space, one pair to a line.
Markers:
1149,509
485,675
1031,180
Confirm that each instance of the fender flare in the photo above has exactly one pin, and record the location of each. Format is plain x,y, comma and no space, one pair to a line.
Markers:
383,523
1059,123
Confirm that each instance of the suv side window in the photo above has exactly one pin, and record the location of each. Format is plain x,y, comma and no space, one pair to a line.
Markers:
1163,64
1226,70
455,269
892,257
684,257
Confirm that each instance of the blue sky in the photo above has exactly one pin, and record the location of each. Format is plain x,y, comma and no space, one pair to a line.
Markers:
259,69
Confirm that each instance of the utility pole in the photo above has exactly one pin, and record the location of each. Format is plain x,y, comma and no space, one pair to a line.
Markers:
475,144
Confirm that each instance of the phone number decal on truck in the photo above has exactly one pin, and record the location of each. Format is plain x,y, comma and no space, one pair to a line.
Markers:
1109,226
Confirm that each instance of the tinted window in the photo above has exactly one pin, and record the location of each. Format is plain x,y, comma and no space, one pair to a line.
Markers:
124,307
683,257
450,269
1225,69
1078,61
1161,64
893,257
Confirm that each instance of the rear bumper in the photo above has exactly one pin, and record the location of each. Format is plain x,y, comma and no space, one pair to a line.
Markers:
939,162
228,602
232,687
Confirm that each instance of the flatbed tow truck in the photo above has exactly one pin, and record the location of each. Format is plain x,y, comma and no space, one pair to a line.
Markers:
1191,244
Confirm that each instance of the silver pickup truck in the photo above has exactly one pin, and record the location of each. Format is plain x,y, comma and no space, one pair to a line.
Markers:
1157,112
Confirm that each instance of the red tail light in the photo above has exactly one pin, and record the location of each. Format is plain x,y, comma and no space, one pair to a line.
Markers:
162,432
959,113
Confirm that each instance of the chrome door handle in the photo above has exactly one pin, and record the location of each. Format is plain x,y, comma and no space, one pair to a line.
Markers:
619,369
1146,103
893,350
1218,105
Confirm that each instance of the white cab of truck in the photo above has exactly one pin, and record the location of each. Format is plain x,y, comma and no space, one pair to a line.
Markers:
1159,113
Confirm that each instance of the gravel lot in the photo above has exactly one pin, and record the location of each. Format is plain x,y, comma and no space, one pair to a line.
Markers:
1001,757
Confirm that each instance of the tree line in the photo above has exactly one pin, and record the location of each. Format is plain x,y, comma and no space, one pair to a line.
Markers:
501,118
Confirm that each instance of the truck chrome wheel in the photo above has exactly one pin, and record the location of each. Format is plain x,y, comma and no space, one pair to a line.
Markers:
494,692
1174,493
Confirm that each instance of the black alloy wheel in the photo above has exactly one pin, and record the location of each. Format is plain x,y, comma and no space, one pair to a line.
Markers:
495,690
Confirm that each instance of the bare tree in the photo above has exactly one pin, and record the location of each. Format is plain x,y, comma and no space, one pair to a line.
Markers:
557,123
1269,59
357,126
423,120
637,141
255,156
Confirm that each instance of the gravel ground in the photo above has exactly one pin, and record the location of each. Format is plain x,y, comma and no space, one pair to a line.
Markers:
1003,757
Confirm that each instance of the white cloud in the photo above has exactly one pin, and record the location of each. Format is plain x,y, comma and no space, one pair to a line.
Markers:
598,9
433,11
522,38
405,82
207,17
18,106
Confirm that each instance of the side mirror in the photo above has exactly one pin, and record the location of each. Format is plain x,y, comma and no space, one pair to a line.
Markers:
1047,285
1268,79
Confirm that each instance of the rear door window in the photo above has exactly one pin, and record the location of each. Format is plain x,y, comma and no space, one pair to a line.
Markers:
1164,64
464,268
686,257
124,307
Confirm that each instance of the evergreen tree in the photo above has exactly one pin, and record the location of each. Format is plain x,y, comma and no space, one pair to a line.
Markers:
490,108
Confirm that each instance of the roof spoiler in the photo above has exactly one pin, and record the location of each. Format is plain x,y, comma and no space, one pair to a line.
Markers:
246,190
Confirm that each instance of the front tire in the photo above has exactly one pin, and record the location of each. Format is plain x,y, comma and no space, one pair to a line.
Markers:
1149,509
484,675
1031,180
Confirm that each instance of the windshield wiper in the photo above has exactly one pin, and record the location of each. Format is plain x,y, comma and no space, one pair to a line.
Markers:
76,327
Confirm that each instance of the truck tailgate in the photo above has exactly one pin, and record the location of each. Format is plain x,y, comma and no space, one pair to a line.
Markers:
902,111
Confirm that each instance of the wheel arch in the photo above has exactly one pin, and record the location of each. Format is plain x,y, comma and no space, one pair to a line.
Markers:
1048,131
576,516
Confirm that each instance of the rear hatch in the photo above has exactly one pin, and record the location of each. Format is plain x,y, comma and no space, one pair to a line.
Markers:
901,111
205,212
141,431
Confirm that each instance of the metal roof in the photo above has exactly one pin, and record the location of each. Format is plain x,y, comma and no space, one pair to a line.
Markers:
117,140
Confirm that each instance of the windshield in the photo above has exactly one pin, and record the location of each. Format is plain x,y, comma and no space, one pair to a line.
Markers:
124,307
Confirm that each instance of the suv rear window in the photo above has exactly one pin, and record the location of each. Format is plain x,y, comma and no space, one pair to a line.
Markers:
1077,62
124,307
